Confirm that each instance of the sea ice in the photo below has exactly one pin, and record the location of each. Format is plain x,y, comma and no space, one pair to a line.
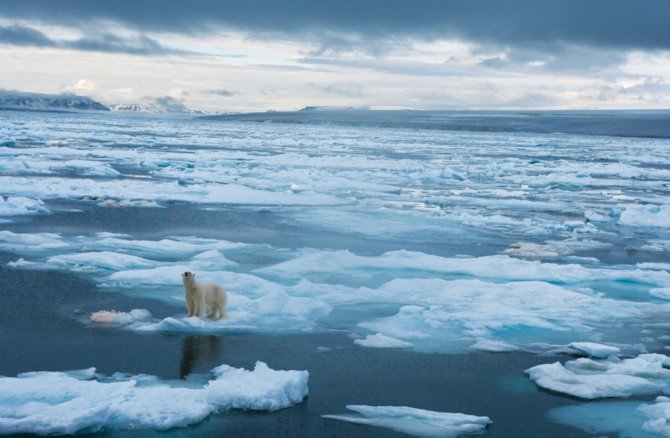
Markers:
128,203
499,267
493,346
592,349
413,421
660,292
18,205
20,263
103,259
590,379
262,389
378,340
646,215
82,401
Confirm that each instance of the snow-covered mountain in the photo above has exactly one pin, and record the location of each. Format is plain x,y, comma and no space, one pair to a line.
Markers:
17,100
164,104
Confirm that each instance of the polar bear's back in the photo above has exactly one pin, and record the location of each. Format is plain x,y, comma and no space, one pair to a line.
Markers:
214,294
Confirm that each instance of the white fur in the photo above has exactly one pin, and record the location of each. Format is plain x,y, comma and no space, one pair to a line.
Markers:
199,295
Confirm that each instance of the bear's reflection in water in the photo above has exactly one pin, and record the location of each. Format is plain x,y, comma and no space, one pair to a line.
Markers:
198,349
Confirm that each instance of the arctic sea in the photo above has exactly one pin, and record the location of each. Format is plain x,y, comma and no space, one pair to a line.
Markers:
403,259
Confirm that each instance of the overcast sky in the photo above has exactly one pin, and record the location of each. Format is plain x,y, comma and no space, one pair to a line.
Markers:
426,54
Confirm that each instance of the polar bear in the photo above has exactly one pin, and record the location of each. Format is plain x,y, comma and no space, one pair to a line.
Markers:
199,295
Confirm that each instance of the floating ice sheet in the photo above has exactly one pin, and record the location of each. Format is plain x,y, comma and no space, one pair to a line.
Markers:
82,401
594,349
378,340
590,379
413,421
18,205
646,215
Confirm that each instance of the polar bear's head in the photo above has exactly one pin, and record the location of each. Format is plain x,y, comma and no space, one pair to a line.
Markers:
188,278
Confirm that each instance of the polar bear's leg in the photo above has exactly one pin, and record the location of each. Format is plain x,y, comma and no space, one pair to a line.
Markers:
220,309
200,307
212,311
190,305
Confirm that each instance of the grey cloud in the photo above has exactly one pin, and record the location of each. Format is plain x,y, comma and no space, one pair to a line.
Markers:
93,42
341,89
24,36
524,23
222,92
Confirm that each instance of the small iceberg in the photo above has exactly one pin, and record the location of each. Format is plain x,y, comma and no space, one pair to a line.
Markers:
593,349
591,379
83,401
413,421
494,346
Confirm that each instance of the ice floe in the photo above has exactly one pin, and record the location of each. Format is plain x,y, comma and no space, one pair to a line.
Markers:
646,215
378,340
500,267
494,346
128,203
590,379
19,205
593,349
413,421
83,401
102,259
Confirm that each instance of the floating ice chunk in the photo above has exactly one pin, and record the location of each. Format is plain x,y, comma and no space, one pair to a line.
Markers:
656,245
20,263
646,215
192,324
589,379
103,259
82,401
262,389
536,250
123,318
160,191
594,216
654,266
128,203
31,242
272,310
661,292
18,205
381,341
494,346
552,249
659,412
413,421
176,246
593,349
448,310
497,267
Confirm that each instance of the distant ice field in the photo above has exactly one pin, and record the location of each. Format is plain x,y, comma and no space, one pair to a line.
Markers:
421,239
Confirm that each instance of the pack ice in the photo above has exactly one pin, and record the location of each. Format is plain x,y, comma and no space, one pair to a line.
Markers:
613,377
413,421
409,298
84,401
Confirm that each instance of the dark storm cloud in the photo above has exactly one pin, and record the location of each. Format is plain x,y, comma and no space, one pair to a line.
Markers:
24,36
613,23
17,35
